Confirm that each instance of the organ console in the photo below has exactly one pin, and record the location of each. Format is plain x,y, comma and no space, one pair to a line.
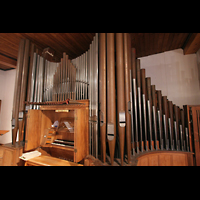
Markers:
68,137
107,82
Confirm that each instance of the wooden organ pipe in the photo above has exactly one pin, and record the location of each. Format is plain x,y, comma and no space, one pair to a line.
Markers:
171,124
144,113
176,127
17,90
102,93
149,111
21,118
128,94
160,124
111,104
133,94
154,118
30,78
165,123
138,83
121,116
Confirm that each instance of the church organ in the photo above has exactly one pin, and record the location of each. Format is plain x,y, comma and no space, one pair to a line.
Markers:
127,116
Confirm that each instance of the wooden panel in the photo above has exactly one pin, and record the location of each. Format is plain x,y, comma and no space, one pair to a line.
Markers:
143,162
153,161
81,136
1,153
45,124
62,152
187,107
179,160
49,161
33,129
9,154
166,158
8,157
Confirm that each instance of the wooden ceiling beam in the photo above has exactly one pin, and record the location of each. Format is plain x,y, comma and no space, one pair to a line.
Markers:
193,44
7,62
6,66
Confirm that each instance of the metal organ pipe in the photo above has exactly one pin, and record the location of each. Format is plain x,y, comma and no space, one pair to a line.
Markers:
87,88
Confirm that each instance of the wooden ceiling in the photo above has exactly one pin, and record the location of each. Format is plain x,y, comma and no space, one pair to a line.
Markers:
74,44
152,43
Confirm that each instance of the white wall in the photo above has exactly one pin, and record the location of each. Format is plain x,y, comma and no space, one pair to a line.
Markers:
7,81
176,75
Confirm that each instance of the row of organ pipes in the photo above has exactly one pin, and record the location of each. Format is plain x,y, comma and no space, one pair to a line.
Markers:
127,115
134,116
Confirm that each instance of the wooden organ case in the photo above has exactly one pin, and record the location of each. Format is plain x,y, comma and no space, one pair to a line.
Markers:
69,141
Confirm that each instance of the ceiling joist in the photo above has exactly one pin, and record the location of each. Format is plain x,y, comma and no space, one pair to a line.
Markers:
7,62
193,44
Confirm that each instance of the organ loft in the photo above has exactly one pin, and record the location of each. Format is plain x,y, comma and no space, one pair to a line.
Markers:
92,104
